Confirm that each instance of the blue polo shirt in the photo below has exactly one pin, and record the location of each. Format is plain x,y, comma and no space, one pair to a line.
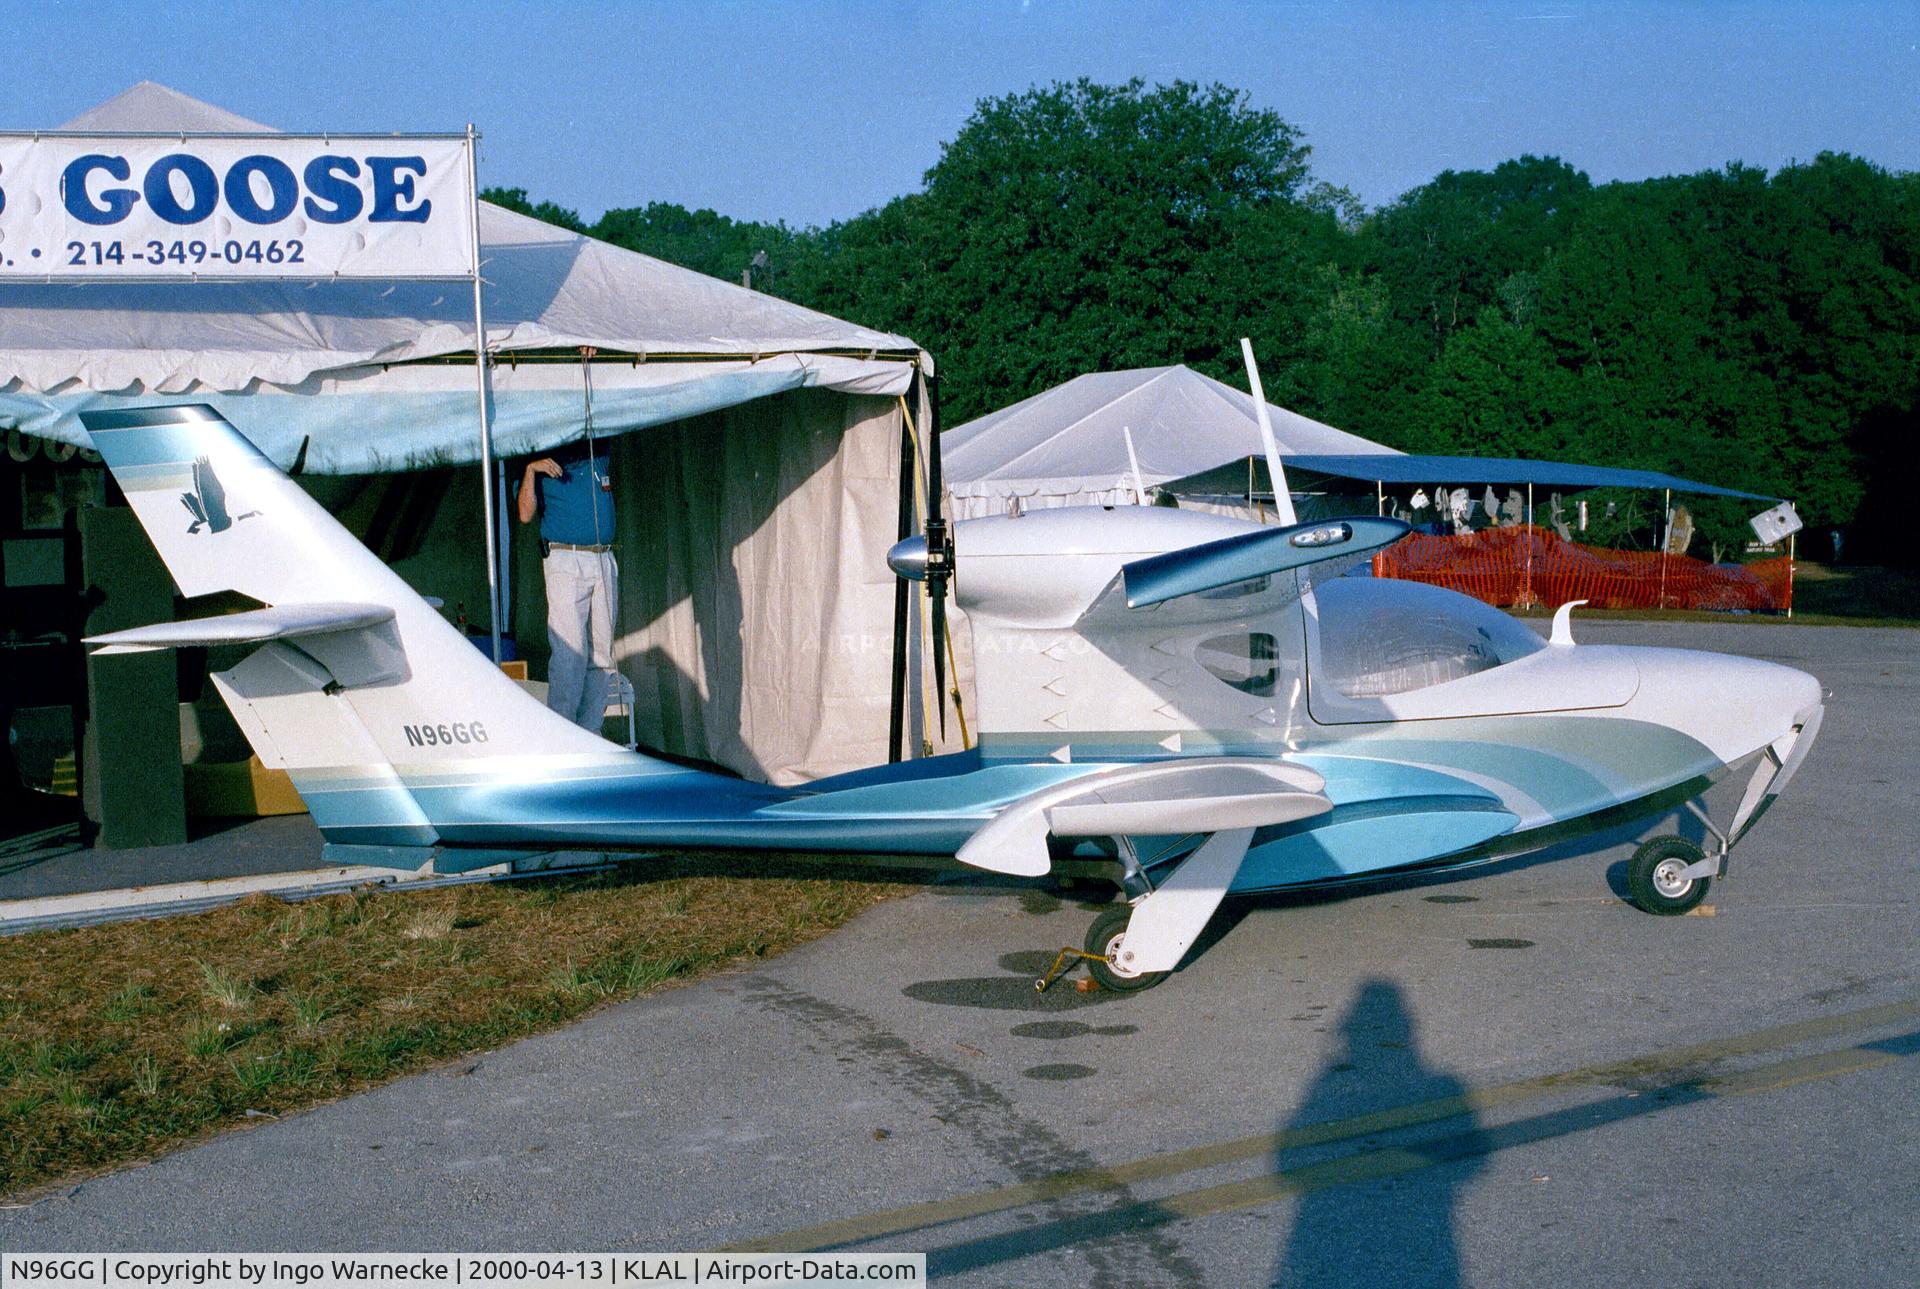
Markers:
577,508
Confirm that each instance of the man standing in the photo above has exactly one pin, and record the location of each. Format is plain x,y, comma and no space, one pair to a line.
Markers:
571,489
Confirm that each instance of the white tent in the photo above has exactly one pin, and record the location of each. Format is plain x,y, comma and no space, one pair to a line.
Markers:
737,645
689,343
1067,446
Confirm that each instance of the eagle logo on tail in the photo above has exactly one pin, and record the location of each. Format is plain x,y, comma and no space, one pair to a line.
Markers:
207,503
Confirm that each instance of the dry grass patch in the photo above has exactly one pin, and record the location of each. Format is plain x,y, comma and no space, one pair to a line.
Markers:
119,1041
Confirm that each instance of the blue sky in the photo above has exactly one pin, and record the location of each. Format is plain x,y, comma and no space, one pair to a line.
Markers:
812,112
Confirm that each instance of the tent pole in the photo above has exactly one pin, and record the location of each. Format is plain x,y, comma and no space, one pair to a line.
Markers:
1790,547
503,543
1379,497
1528,595
1666,540
480,384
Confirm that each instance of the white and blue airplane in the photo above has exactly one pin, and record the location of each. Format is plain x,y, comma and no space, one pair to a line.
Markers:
1199,697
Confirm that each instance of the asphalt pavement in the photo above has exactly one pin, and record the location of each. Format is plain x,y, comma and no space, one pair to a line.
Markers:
1507,1077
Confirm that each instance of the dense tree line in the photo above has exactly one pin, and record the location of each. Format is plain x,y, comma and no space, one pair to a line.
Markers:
1752,329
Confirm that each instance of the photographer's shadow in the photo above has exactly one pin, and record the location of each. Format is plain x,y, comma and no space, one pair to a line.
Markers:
1366,1216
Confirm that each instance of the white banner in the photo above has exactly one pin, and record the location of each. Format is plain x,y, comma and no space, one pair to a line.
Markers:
255,206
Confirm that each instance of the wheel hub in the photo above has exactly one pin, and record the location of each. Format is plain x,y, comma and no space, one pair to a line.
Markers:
1119,961
1669,879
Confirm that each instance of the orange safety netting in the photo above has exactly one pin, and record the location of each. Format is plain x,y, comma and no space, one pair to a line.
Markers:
1530,565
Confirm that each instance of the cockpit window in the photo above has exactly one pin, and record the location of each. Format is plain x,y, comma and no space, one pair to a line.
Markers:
1249,661
1380,637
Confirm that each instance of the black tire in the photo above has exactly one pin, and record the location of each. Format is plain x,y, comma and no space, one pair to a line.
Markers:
1102,939
1650,877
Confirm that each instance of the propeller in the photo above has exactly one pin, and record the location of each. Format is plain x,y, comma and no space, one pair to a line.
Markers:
939,550
923,557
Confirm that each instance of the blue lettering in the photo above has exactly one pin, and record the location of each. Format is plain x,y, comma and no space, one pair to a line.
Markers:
327,182
199,176
391,187
280,180
114,203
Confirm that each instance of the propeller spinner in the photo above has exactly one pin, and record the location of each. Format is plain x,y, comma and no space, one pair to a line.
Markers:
928,557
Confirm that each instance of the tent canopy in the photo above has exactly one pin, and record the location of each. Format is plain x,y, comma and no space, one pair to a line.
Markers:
1068,444
686,343
1307,468
756,611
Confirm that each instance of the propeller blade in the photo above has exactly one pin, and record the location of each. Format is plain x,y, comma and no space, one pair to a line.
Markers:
937,588
896,720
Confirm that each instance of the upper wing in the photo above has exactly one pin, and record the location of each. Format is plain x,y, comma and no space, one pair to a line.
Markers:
1235,576
1199,794
1241,558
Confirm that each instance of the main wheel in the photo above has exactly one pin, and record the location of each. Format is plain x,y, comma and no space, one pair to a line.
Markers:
1105,939
1654,881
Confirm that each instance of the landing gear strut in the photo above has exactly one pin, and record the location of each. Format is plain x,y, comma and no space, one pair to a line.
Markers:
1137,945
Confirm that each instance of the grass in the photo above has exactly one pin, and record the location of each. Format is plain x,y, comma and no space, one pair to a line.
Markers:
118,1042
1856,594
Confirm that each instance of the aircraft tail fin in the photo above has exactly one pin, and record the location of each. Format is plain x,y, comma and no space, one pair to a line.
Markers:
359,688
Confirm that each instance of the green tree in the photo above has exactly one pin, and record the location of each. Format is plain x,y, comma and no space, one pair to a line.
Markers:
1083,226
1495,392
1760,331
704,241
1448,248
516,199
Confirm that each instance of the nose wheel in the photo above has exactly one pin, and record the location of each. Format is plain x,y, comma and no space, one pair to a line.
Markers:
1660,876
1107,955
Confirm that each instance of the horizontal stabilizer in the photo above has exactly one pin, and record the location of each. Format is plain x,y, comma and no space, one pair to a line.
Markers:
256,626
1210,565
1209,794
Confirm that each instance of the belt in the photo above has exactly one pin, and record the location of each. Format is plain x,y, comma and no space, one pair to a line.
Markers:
569,546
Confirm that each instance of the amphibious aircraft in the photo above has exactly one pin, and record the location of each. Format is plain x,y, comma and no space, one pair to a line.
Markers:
1202,698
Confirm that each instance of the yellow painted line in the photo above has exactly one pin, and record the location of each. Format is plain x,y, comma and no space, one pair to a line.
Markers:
892,1222
1821,1065
1394,1161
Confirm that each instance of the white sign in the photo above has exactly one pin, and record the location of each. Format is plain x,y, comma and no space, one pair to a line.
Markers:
1777,524
254,206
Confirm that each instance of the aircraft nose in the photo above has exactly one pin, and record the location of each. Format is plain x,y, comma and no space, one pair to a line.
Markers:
1735,705
1806,691
1772,689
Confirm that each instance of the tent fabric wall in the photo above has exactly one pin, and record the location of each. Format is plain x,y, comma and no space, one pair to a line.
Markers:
757,623
757,617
